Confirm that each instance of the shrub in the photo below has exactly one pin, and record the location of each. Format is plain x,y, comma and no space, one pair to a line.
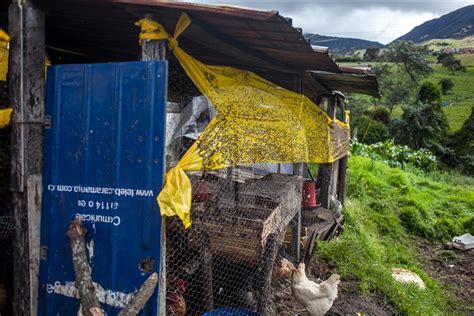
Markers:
429,93
446,85
422,126
373,130
382,115
452,64
396,155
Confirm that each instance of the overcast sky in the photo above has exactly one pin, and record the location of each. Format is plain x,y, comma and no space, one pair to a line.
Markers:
378,20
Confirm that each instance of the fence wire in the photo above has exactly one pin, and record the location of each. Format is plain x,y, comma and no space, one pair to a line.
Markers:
6,214
223,264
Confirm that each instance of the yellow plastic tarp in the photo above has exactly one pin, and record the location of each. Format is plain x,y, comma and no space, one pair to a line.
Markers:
4,40
5,115
256,122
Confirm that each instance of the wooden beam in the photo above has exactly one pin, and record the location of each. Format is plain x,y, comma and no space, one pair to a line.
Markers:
342,175
298,170
26,78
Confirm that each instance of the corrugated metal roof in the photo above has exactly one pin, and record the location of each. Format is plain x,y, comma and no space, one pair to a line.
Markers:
224,35
353,80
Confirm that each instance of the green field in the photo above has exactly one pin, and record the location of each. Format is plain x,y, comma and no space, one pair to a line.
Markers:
461,97
439,44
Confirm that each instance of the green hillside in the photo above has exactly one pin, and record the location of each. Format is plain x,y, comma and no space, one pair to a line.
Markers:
439,44
389,212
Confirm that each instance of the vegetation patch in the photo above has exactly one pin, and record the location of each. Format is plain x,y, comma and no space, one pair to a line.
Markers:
388,209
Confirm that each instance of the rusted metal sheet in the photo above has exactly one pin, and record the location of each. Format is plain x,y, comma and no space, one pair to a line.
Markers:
349,82
240,37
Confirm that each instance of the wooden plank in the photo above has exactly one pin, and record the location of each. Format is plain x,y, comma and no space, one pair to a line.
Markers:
156,50
26,77
153,50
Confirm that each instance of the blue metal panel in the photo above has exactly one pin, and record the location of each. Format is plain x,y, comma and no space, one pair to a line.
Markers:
104,163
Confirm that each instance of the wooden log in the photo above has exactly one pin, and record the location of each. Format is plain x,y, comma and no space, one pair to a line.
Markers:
139,300
82,270
26,82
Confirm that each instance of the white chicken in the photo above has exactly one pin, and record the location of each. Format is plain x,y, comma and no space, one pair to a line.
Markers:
316,298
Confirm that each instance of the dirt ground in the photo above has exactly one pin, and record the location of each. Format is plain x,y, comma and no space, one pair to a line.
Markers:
453,268
349,301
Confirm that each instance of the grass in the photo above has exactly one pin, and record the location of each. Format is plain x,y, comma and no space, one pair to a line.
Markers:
457,114
386,211
461,97
440,44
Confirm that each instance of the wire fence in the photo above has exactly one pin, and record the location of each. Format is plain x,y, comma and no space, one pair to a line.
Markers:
6,214
223,264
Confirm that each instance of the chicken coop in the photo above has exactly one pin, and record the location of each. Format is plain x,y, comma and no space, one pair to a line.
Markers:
245,218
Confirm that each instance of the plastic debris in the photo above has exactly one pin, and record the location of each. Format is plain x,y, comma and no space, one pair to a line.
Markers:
464,242
407,277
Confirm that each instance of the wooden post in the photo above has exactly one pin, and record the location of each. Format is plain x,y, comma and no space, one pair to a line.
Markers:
156,50
342,175
26,77
326,170
298,87
297,171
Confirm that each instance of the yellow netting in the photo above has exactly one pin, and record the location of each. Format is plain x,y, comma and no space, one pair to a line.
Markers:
257,122
4,40
5,115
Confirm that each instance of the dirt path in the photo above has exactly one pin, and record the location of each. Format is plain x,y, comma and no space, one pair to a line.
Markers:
455,269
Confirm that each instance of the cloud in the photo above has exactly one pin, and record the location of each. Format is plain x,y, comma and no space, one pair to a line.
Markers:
381,20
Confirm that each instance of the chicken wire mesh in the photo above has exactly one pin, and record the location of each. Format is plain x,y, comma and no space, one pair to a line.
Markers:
223,263
6,214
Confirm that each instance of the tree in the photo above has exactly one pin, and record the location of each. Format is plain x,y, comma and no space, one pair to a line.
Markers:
441,56
422,126
395,85
446,84
371,53
452,64
429,93
410,58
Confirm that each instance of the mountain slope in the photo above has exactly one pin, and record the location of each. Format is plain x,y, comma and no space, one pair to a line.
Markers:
456,24
340,45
